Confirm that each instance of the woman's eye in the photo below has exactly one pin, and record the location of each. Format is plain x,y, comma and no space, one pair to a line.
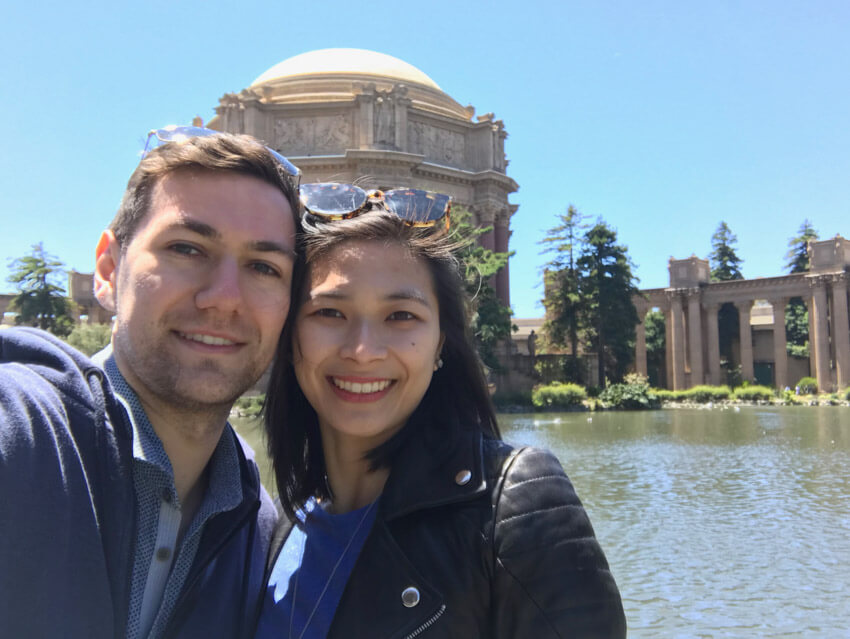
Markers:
328,312
401,316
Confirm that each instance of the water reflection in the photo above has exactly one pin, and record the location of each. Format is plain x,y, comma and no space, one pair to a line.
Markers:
717,523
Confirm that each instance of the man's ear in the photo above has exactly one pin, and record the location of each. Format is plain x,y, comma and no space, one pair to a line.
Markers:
107,256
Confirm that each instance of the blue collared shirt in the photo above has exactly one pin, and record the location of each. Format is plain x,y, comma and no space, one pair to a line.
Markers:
161,561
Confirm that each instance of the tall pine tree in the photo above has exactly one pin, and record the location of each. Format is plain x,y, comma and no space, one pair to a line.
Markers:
562,298
796,312
607,285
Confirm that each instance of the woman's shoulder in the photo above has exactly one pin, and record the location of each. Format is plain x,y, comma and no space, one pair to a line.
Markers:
521,464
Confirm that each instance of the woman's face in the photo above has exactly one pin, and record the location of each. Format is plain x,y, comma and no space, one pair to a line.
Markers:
366,340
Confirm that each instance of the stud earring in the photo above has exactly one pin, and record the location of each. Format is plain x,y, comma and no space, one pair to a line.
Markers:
438,364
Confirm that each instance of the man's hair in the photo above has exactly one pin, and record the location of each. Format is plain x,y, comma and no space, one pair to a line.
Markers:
457,399
221,152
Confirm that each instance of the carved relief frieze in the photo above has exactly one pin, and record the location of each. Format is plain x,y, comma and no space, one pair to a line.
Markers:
313,135
438,145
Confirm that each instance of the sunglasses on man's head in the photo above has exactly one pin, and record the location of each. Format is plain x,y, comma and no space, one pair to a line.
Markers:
331,201
179,133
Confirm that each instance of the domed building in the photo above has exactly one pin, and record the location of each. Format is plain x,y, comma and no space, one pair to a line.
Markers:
348,115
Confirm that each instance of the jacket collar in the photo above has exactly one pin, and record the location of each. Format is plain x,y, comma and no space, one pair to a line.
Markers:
425,477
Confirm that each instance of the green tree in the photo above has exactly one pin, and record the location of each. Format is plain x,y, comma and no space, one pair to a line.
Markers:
40,300
562,298
796,313
798,249
609,315
725,266
725,263
491,320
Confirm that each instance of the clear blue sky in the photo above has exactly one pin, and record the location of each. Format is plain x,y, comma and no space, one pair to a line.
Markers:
662,117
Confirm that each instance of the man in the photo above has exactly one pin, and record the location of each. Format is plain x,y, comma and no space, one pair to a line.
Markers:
129,508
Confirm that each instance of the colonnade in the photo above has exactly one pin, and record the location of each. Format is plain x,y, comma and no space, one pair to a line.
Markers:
692,336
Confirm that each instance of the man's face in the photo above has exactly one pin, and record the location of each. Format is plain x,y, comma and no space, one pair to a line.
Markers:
201,291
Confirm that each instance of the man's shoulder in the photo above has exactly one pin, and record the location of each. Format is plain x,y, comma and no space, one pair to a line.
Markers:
43,380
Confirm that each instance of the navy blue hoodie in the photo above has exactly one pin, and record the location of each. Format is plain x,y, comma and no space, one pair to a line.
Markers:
67,509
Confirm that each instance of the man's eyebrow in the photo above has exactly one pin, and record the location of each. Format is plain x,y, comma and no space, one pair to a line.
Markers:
266,246
205,230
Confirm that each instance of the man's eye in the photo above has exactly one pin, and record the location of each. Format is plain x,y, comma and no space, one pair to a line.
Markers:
264,268
401,316
184,249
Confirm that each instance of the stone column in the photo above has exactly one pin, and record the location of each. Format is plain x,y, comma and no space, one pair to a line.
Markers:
746,336
501,235
695,336
713,344
813,358
678,345
486,217
819,341
668,348
780,353
640,343
402,104
841,330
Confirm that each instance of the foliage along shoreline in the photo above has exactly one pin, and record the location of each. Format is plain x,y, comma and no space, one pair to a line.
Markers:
636,394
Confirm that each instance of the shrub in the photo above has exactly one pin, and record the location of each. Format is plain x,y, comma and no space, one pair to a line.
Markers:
250,405
665,395
847,394
704,394
753,393
90,338
634,393
558,395
808,386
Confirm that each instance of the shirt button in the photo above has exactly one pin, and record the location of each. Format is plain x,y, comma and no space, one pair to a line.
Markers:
163,554
410,597
463,477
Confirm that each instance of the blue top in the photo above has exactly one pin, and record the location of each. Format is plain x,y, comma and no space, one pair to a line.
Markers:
312,569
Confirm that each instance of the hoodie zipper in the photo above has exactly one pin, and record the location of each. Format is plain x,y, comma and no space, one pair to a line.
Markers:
428,623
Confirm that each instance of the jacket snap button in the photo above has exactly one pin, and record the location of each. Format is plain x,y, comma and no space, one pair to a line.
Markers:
410,597
463,477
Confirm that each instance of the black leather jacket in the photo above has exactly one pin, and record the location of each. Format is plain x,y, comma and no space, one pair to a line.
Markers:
487,542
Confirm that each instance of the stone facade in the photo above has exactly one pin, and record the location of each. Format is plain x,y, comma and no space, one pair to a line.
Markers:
691,303
362,117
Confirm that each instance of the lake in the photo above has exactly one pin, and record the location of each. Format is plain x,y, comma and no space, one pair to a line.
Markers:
716,523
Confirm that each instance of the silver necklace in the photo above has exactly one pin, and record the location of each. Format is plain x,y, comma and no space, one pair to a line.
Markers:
330,577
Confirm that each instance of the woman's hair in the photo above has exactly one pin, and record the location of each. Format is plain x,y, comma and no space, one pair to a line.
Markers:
457,398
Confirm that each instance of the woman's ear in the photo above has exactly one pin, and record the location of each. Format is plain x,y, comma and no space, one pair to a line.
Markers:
438,360
107,256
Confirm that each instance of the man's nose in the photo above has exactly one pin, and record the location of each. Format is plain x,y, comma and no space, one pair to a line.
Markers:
222,289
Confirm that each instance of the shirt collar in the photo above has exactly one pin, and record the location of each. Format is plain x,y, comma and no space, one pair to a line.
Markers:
225,485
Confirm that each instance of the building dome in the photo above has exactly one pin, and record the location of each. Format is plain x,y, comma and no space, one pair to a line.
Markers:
358,62
340,75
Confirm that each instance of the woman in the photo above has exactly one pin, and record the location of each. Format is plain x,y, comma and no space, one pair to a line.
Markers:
413,517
